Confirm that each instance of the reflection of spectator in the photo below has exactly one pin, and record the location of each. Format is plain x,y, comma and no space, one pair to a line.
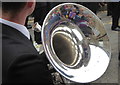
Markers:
65,10
77,18
53,19
72,15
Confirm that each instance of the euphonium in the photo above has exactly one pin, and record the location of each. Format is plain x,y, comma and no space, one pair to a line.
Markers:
76,43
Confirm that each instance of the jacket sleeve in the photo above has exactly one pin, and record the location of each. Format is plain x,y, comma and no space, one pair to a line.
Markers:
29,69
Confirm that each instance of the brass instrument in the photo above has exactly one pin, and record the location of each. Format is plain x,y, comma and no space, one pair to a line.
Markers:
76,43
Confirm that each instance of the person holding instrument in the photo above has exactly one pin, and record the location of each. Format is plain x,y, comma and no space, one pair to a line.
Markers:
21,63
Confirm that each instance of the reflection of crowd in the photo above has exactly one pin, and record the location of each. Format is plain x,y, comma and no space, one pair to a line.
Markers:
79,16
70,12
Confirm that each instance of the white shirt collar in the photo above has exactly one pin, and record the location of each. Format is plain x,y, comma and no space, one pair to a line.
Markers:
18,27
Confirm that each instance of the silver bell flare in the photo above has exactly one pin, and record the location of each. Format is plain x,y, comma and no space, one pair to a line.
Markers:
76,42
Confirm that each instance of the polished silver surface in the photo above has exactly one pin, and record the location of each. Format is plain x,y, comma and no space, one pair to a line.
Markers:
76,43
36,27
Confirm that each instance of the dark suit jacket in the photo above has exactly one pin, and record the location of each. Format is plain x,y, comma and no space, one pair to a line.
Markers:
21,63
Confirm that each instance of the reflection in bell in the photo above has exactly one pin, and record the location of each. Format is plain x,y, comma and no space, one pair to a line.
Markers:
73,36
